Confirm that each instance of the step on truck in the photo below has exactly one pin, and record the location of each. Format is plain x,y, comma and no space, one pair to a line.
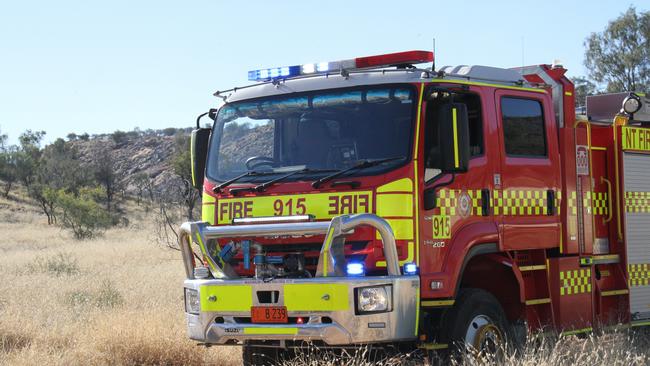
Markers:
379,201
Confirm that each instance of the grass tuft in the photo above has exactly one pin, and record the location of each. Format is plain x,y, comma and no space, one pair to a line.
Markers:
107,296
11,341
59,265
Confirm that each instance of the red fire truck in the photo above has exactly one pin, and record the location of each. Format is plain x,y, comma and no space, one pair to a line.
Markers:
372,201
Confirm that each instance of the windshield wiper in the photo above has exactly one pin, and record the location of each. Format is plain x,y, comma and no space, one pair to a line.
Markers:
220,187
360,165
263,186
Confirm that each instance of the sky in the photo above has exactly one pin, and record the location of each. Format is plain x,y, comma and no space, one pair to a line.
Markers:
97,67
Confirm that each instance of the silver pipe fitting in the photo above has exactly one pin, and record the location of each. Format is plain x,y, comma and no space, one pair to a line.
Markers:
193,231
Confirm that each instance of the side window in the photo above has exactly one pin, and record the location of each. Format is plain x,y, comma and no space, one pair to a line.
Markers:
524,133
475,119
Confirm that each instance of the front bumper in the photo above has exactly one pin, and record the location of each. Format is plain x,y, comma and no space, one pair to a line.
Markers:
326,304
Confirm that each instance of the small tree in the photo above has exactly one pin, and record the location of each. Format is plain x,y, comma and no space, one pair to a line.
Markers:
59,169
583,88
119,137
28,156
47,199
620,55
3,141
182,165
145,190
83,215
8,173
108,178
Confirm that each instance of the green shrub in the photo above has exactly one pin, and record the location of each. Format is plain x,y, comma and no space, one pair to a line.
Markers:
59,265
82,214
119,137
107,296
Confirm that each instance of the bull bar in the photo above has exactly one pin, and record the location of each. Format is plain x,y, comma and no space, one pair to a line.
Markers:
327,302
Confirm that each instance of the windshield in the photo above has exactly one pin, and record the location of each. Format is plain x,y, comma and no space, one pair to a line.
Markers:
317,132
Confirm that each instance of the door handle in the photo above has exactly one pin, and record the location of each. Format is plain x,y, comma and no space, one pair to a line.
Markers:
609,199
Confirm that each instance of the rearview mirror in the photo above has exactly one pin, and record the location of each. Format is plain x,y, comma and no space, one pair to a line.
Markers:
199,152
453,135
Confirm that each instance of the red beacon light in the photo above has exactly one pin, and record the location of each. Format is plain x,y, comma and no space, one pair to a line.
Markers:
377,61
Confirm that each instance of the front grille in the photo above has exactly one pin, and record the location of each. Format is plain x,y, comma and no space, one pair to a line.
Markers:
311,247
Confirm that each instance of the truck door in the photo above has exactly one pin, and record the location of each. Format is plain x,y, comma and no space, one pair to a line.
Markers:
527,189
460,199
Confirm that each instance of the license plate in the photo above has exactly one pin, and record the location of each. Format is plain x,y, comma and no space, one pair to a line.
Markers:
269,314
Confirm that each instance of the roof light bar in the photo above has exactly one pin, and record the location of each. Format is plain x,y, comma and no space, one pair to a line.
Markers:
377,61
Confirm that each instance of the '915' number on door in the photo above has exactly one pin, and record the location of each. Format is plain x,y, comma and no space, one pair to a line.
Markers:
441,227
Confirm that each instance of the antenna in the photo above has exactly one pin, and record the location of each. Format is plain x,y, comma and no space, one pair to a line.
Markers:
433,64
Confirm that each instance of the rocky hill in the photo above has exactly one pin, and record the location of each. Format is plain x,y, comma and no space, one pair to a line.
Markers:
133,156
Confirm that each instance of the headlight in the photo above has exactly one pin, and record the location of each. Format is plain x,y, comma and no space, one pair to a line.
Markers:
192,302
373,299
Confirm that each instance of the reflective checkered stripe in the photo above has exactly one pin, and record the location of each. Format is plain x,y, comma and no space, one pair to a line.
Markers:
509,202
448,200
520,202
477,202
575,282
638,202
638,274
573,207
599,203
593,202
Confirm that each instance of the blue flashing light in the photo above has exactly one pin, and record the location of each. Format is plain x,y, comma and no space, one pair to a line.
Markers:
410,269
273,73
355,269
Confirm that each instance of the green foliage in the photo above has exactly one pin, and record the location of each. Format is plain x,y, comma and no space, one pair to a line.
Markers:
3,140
27,157
620,55
46,197
59,265
106,297
82,215
58,168
182,165
8,172
182,162
169,131
119,137
583,88
106,175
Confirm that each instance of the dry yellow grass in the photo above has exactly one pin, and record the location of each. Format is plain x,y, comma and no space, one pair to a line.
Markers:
117,300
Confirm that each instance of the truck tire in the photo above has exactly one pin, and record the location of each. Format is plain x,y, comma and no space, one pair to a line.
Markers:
259,356
478,321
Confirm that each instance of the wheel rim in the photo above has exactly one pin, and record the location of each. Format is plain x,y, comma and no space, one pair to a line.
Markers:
483,335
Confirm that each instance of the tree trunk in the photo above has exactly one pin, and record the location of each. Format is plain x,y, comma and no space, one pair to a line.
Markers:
7,189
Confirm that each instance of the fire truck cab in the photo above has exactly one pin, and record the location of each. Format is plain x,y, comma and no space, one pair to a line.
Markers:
369,201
